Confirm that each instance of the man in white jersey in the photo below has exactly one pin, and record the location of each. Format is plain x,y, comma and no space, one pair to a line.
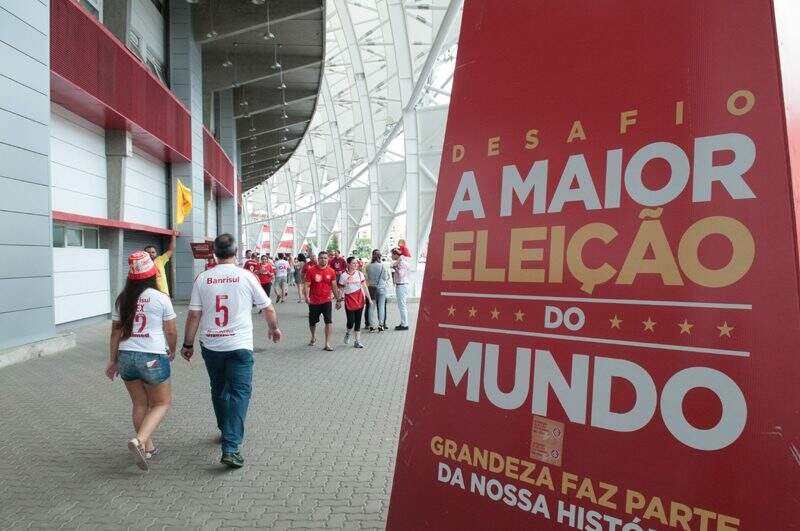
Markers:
221,303
281,276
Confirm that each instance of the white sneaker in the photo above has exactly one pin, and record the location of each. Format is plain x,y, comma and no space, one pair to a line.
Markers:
358,344
137,451
346,338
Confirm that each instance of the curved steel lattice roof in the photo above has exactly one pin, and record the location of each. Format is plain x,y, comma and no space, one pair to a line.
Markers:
371,154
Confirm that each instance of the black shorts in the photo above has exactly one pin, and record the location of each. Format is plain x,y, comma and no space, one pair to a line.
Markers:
324,309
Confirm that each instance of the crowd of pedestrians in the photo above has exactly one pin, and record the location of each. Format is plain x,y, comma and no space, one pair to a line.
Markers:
144,333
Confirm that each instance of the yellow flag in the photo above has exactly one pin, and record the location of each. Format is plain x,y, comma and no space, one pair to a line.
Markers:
184,204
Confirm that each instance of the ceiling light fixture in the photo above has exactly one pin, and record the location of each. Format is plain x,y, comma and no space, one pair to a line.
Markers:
252,127
257,2
268,35
213,33
228,63
276,65
284,115
282,86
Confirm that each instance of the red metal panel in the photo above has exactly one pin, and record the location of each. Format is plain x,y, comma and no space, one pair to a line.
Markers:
97,77
217,166
113,223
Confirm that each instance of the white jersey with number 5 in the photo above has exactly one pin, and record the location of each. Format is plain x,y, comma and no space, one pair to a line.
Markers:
226,295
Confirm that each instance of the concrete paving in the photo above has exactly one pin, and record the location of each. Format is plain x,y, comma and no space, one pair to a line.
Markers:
319,448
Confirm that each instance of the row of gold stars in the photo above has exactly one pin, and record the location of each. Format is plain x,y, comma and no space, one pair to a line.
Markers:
686,327
519,315
649,325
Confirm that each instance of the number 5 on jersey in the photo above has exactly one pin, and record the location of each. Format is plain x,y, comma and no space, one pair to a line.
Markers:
222,308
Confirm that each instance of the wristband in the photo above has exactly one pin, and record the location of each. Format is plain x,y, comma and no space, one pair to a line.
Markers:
188,346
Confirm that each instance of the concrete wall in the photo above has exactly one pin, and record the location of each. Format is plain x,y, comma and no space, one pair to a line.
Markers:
148,23
77,164
26,266
146,183
228,210
81,283
211,214
186,76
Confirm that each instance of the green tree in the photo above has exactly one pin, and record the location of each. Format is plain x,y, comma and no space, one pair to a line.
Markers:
333,244
362,248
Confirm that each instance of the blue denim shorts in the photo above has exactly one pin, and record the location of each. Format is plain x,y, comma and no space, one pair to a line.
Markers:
150,368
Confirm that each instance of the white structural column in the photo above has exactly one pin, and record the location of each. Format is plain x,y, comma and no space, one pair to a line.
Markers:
431,127
228,207
186,74
365,106
330,211
267,188
290,189
26,261
322,238
301,228
119,148
336,141
405,78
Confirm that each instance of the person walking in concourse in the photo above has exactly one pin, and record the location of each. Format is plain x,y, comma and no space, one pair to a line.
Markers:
299,265
356,295
400,278
220,308
143,339
320,282
265,274
378,282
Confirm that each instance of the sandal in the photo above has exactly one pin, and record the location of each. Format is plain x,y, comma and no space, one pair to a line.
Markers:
312,342
149,454
136,450
328,349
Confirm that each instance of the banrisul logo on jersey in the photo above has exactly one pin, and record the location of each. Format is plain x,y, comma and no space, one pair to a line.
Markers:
610,331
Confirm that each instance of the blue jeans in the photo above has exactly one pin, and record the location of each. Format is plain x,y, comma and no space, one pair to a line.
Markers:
231,377
378,307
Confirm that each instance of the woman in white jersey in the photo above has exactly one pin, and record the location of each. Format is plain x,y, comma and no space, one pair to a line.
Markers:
356,295
143,338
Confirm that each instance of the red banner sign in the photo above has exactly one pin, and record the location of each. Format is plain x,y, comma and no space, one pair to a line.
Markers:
610,335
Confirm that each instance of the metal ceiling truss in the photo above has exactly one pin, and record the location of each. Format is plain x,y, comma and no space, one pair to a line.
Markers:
378,82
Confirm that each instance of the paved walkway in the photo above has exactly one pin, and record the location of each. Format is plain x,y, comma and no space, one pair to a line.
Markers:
320,443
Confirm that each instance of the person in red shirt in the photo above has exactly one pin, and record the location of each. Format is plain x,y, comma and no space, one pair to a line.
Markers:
404,250
320,282
338,263
265,274
252,264
312,260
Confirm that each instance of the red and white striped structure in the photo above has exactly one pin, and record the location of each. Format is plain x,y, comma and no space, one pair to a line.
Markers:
286,245
264,240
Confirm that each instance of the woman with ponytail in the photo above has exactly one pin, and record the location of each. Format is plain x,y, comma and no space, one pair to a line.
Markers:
143,339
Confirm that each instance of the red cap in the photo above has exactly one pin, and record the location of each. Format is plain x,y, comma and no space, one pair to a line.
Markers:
141,266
